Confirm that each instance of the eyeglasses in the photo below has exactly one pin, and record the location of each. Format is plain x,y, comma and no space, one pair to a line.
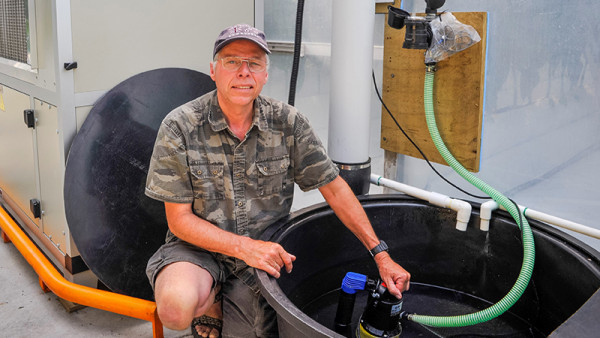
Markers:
233,63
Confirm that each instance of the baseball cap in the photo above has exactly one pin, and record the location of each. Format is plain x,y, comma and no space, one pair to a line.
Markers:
241,31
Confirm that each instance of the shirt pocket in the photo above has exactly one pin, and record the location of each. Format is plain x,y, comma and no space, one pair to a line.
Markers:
207,180
272,175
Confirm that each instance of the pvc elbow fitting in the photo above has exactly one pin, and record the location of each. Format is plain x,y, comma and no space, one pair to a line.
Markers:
485,213
463,214
462,208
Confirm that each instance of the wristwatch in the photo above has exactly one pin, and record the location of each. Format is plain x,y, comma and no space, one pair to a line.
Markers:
379,248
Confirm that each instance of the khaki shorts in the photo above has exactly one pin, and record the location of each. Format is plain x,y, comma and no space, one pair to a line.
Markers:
180,251
246,313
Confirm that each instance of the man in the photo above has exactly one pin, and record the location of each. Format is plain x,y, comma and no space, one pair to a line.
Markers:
225,165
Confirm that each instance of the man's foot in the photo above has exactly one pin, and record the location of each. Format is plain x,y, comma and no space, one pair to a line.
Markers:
209,324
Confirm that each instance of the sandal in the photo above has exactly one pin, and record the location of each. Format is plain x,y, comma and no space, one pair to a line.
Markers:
206,321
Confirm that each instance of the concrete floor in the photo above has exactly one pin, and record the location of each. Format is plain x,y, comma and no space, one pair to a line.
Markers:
27,311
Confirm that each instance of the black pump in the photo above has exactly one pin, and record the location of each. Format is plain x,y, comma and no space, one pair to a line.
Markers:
381,317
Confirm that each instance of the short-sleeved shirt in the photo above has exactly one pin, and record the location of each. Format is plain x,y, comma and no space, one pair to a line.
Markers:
241,186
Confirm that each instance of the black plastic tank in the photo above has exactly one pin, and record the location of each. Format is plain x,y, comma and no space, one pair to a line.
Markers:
453,272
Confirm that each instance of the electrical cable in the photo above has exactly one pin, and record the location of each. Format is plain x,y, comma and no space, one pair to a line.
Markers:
520,221
297,47
417,147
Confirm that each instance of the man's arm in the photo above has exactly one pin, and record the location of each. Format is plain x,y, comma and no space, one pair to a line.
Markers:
267,256
341,199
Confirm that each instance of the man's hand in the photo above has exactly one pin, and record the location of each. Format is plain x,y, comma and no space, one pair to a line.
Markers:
269,257
393,275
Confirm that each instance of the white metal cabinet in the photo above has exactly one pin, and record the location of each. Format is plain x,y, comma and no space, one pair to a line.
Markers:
51,171
17,159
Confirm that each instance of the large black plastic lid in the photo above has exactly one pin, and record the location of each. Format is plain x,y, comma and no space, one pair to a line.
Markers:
114,225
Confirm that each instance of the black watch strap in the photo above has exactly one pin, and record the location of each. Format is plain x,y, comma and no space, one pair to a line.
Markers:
379,248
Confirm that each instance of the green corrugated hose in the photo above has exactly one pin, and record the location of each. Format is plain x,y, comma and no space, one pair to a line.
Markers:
528,246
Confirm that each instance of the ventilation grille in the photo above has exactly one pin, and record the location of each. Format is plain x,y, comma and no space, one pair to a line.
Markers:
13,30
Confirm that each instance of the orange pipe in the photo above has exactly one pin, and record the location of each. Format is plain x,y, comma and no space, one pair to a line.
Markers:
100,299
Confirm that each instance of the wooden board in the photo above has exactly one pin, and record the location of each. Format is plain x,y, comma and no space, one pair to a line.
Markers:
458,97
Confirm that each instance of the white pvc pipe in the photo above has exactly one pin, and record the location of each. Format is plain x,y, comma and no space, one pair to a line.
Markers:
462,208
487,208
350,88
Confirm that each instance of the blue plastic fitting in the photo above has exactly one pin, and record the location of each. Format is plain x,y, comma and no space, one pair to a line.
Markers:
353,281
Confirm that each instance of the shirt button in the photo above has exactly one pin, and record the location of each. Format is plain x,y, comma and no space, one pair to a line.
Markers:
240,203
215,172
199,172
282,166
238,175
266,168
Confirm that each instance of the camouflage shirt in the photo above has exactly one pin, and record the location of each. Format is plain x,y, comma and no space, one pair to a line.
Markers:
240,186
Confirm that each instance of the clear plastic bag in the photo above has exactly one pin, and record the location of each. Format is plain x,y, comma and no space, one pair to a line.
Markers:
450,36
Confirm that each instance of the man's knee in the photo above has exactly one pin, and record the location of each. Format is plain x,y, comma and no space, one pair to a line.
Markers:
181,292
173,318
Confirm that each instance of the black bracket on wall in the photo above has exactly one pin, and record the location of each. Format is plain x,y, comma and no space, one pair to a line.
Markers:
70,65
29,117
35,207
